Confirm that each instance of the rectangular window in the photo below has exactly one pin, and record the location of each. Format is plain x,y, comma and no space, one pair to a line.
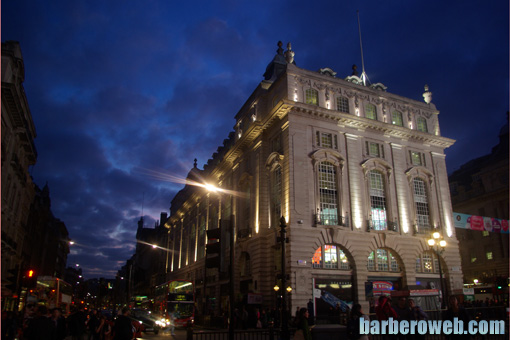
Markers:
377,201
330,257
374,149
370,111
485,233
276,144
427,263
421,204
328,194
312,97
326,140
371,262
396,118
421,124
417,158
489,255
342,104
382,260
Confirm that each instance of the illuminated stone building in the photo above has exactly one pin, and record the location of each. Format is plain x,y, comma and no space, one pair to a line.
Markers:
357,172
480,187
18,154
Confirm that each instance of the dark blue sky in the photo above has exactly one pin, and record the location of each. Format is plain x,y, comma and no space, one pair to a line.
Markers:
118,86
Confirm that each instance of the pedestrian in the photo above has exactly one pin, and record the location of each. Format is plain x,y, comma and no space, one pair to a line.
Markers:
76,324
311,317
416,313
402,309
303,329
92,324
123,329
41,327
384,311
60,323
456,311
353,330
172,322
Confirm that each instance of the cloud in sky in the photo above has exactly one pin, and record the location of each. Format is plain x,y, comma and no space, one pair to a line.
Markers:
115,87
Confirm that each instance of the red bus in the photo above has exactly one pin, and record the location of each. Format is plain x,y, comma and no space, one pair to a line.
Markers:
177,297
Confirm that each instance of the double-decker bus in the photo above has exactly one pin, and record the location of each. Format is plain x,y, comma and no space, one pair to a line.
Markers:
177,297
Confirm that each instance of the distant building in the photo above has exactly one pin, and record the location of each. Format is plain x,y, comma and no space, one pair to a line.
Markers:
480,187
18,154
359,175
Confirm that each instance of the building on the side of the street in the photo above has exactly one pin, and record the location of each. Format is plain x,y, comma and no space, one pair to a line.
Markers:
357,172
32,238
18,155
480,188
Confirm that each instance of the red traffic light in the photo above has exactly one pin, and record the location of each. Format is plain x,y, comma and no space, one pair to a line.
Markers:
30,273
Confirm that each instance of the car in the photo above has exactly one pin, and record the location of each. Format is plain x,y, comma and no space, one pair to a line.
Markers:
146,321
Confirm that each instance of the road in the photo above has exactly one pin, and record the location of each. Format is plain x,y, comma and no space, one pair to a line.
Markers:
180,334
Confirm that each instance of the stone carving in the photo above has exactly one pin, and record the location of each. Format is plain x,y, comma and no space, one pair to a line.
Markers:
289,54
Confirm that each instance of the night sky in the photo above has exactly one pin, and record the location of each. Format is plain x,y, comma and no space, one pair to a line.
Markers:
120,88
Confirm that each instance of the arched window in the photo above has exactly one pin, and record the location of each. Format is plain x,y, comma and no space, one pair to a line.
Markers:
377,191
328,193
382,260
427,263
370,111
396,118
330,257
312,96
421,205
342,104
421,124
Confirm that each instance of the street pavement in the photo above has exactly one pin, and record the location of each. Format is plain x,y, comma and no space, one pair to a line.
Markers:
180,334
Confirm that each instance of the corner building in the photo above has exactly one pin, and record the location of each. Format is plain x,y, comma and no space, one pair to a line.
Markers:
357,172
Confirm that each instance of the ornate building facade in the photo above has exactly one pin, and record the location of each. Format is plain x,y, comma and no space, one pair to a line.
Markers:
357,172
18,154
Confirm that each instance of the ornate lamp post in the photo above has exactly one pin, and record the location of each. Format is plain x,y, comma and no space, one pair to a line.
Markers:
232,255
283,239
437,244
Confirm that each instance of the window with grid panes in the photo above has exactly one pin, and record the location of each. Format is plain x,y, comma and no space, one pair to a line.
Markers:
342,104
417,158
421,124
312,97
382,260
328,193
330,257
396,118
377,200
370,111
427,263
421,203
374,149
326,140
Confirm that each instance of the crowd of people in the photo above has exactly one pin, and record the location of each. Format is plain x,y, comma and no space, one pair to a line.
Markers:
40,323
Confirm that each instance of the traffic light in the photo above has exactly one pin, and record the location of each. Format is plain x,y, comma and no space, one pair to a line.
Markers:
213,248
12,277
30,279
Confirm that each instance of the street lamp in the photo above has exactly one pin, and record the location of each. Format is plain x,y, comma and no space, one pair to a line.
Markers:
437,244
283,239
212,188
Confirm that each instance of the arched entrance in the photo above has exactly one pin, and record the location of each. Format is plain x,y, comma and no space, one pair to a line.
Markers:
333,290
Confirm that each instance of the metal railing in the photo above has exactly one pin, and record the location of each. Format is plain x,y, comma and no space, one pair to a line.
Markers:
245,334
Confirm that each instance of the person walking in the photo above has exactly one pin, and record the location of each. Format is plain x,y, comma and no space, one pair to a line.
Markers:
353,331
60,323
384,311
123,329
303,329
76,324
456,311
